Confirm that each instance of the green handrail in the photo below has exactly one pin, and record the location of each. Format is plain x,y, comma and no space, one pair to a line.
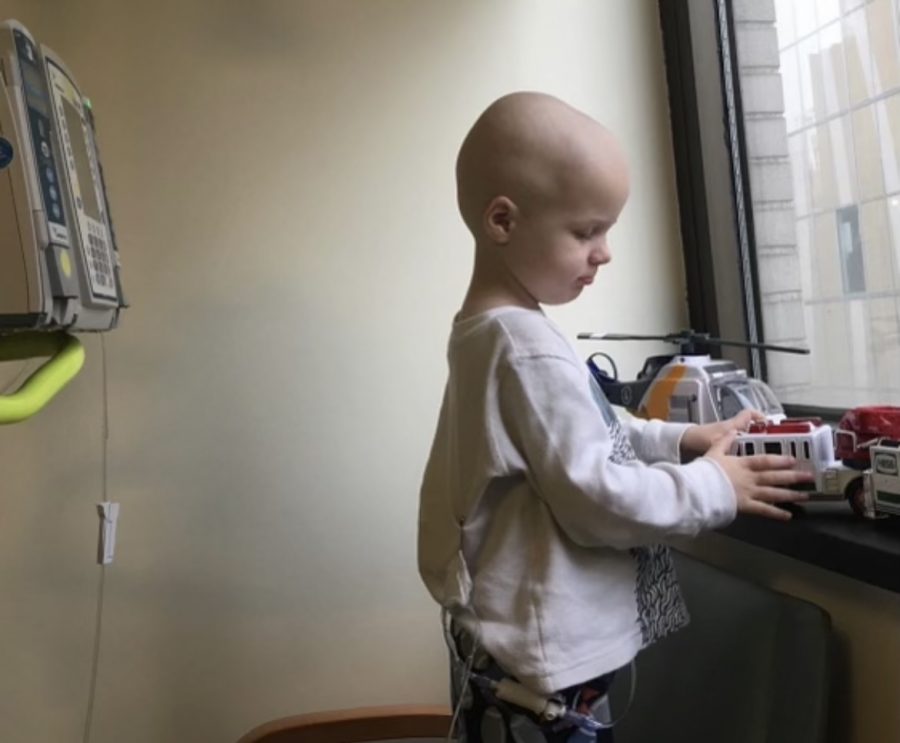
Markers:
67,358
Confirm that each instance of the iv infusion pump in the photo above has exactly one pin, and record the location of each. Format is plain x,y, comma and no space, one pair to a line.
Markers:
59,264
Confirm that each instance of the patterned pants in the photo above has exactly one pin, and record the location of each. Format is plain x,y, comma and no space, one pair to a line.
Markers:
484,719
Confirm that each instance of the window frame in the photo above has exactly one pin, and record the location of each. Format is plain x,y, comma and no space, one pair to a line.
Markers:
710,152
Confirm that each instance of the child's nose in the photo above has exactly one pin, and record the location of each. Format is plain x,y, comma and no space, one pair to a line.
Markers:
600,256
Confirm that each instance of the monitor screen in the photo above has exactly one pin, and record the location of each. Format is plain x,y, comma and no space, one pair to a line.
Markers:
82,162
34,82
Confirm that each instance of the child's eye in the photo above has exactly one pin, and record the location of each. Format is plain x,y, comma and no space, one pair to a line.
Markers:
587,234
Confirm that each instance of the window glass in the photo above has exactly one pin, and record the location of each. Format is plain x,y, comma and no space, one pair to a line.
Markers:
820,95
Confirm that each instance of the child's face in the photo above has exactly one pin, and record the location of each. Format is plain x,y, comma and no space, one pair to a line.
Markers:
557,248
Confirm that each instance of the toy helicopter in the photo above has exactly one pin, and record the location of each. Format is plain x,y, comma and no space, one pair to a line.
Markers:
690,386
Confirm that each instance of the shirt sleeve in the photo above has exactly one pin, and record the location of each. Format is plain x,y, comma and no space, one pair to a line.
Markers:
550,417
654,440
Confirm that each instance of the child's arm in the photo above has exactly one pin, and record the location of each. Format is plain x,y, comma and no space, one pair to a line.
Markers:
661,441
655,440
697,440
551,421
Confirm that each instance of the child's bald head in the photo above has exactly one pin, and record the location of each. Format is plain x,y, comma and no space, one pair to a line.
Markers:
534,150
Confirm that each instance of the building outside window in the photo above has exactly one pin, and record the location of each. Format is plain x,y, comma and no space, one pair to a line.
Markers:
850,250
820,102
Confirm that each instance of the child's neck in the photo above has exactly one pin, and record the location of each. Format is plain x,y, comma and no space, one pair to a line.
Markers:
479,301
492,287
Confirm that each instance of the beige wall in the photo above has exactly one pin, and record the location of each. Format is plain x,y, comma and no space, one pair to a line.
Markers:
281,181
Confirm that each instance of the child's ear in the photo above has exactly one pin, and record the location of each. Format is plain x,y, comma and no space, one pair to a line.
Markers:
500,219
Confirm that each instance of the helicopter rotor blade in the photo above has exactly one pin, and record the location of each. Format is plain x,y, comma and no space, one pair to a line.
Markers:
749,344
687,338
621,337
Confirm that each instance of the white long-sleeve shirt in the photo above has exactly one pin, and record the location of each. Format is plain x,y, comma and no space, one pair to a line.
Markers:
539,511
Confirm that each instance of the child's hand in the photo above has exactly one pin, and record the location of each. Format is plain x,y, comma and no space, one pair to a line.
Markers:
696,440
760,480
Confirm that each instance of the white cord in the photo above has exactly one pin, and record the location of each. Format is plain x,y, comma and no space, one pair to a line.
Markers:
463,690
467,675
632,667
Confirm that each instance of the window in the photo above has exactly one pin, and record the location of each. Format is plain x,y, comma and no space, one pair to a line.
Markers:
795,105
773,447
850,250
729,403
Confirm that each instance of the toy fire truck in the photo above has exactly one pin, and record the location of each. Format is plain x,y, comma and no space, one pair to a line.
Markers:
881,493
857,462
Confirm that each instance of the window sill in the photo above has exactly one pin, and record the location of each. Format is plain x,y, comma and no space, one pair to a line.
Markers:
826,534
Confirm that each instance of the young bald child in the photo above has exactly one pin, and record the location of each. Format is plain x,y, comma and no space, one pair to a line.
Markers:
541,513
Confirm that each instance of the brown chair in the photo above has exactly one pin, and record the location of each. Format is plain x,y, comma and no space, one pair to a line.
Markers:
352,725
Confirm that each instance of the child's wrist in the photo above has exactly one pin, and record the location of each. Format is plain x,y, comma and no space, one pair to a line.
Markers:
689,445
